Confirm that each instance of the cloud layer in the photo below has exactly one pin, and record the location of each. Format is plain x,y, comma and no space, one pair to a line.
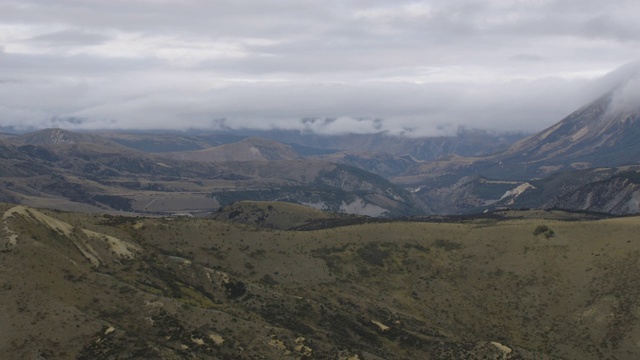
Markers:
418,67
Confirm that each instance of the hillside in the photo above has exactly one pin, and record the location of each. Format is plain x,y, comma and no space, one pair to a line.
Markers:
119,287
250,149
598,134
60,137
466,142
93,176
601,135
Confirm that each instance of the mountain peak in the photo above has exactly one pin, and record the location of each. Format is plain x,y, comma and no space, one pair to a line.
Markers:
605,132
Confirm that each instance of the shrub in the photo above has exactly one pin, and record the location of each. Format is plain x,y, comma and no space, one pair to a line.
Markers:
545,230
447,244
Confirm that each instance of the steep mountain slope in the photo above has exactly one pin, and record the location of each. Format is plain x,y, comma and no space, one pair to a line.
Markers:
603,133
618,194
599,134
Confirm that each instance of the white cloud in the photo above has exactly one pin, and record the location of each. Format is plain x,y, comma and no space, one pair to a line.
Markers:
426,66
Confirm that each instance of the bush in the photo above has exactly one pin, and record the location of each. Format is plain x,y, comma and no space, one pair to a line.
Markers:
545,230
447,245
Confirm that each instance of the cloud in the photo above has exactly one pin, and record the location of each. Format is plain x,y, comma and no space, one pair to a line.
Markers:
527,57
418,67
626,93
69,38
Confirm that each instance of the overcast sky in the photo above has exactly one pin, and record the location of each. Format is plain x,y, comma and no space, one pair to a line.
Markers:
419,67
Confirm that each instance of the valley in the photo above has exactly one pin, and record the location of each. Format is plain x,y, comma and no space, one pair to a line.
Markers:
583,156
298,180
226,245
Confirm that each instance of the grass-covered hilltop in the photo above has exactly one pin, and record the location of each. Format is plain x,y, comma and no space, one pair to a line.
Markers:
270,281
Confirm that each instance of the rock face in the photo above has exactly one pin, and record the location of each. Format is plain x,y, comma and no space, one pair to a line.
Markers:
619,195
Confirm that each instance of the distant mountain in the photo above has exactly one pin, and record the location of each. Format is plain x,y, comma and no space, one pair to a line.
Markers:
600,135
160,142
60,136
412,176
71,173
385,165
249,149
466,142
383,154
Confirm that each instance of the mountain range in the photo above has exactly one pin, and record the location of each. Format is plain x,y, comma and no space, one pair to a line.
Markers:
284,245
569,165
75,171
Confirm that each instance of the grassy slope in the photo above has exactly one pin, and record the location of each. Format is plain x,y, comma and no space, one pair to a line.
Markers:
443,289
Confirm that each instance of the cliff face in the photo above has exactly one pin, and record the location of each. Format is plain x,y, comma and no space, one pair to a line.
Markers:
619,195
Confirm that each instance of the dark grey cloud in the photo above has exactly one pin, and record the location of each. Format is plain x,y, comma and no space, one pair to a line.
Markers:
354,65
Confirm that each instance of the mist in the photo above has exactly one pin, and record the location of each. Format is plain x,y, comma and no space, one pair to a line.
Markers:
412,67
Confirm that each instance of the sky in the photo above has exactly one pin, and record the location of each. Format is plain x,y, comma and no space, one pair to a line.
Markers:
419,68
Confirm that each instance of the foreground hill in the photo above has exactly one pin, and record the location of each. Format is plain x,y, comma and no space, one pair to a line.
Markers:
96,286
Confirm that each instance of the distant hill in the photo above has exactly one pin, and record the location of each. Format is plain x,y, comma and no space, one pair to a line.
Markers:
85,172
466,142
249,149
366,174
161,142
60,137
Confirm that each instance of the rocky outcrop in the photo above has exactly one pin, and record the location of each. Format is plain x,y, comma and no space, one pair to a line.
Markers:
619,195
